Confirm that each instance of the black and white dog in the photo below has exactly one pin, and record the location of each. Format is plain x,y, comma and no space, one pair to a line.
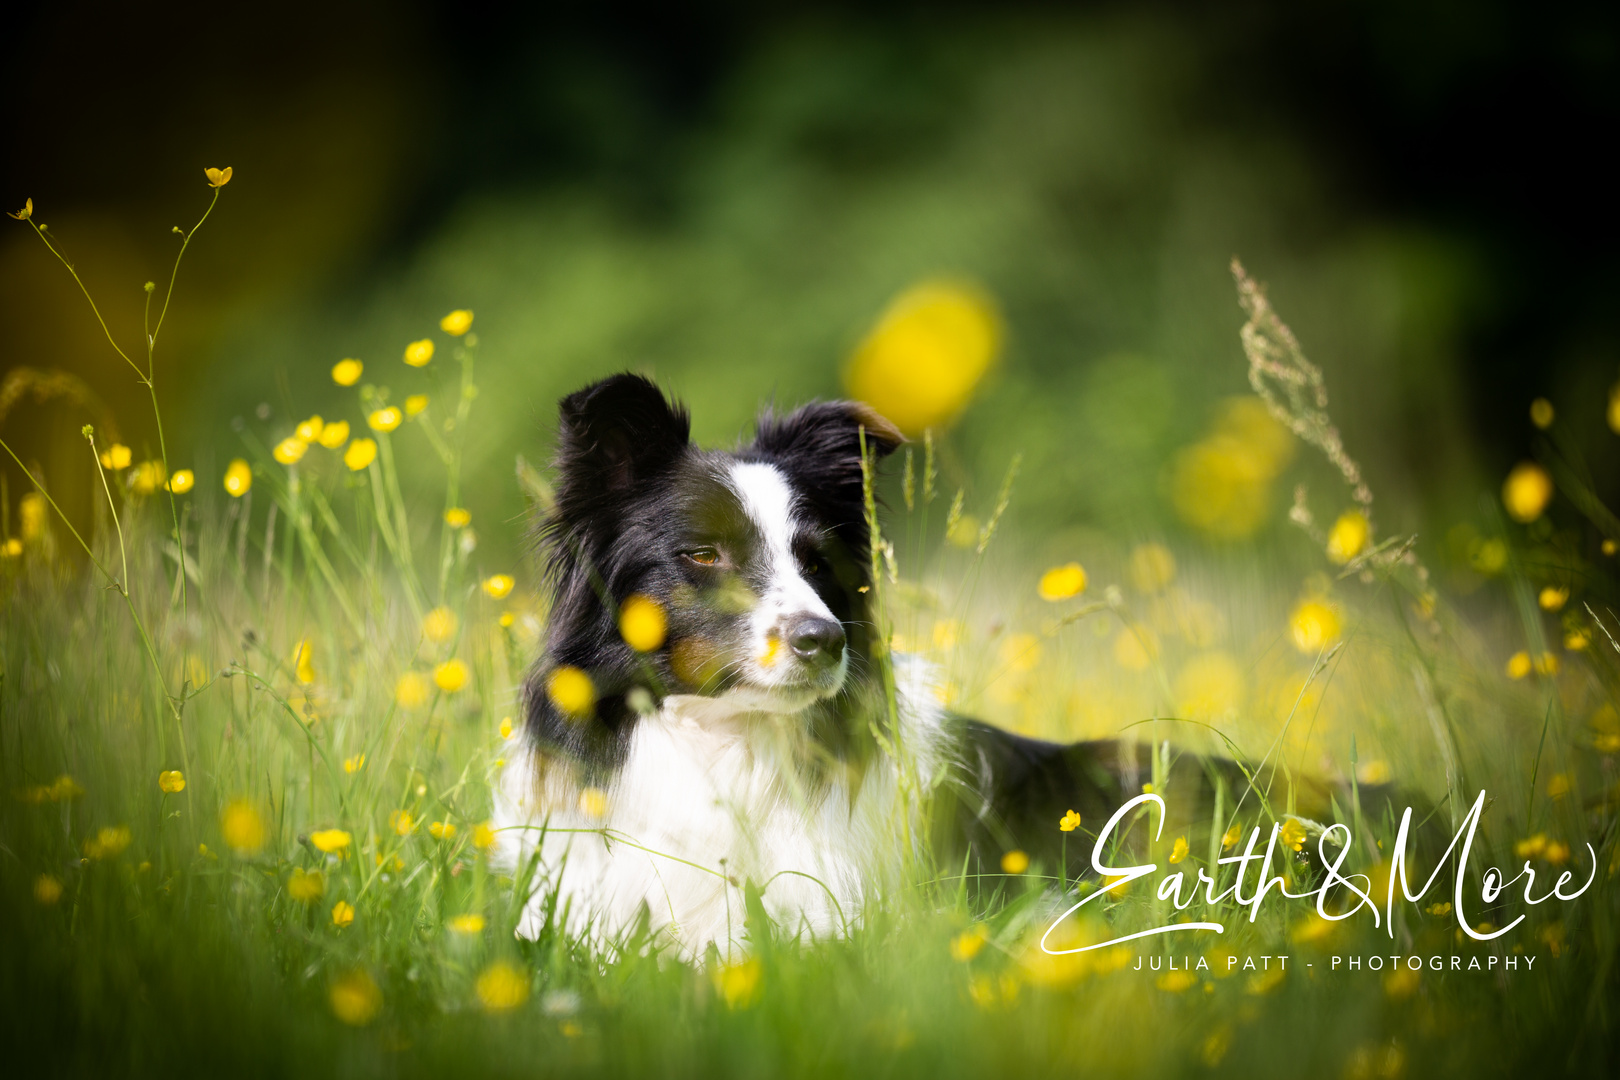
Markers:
755,743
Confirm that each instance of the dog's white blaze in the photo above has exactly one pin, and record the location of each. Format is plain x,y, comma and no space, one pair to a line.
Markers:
712,801
768,500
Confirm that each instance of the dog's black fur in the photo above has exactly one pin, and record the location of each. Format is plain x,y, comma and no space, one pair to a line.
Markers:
635,496
633,492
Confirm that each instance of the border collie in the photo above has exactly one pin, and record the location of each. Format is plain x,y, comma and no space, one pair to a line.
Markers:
755,746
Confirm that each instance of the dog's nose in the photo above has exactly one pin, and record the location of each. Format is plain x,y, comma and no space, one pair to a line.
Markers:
814,638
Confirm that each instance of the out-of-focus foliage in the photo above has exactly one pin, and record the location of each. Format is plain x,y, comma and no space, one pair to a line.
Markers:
1058,170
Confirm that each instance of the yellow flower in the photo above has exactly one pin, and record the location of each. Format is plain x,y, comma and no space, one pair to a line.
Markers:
241,827
355,999
442,830
506,727
1231,836
1222,484
457,322
330,840
347,372
25,213
1210,686
303,662
334,434
1292,834
412,691
921,363
310,430
1559,785
62,788
496,586
1373,772
108,842
1135,648
1348,536
289,450
218,178
642,623
1577,638
507,618
238,478
483,835
1178,851
33,513
451,676
182,481
1526,491
1530,846
384,420
116,456
47,889
1014,862
1518,665
342,914
306,887
467,924
1152,567
1069,821
739,984
418,353
1313,626
1175,982
502,987
966,945
457,518
1215,1045
171,782
965,533
415,404
439,625
1440,909
148,477
571,690
401,822
14,547
1541,413
1557,852
1553,598
1118,886
1062,582
361,452
994,992
593,802
1266,981
352,765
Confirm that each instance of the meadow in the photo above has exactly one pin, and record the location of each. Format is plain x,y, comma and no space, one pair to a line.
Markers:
250,720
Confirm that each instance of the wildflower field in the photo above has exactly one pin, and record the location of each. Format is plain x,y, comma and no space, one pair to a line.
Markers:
251,718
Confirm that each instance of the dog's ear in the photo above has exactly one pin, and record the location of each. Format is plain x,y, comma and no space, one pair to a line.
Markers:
820,444
615,434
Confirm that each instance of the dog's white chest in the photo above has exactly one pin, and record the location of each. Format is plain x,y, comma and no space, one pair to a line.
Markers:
705,806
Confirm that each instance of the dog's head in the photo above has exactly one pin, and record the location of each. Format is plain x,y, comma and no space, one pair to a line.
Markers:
757,558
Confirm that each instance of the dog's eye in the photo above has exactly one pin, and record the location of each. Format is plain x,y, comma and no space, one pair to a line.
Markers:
812,567
704,556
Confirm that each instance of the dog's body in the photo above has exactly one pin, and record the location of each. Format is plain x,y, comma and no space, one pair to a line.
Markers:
749,744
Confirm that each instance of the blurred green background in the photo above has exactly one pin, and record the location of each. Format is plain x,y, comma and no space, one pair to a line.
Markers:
727,196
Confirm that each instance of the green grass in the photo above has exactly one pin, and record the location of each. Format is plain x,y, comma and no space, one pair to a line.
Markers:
180,947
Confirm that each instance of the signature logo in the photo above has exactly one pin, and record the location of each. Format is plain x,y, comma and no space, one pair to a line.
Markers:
1176,888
